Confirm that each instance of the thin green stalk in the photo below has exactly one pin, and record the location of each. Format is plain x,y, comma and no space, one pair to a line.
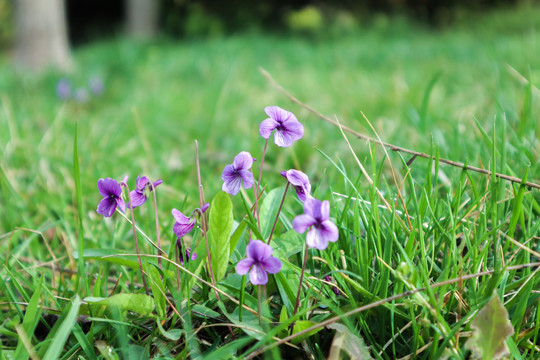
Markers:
242,290
153,189
278,212
300,284
258,186
135,237
259,300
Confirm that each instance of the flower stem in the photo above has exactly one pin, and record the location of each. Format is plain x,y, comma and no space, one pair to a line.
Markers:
153,189
259,298
279,212
135,237
300,284
259,184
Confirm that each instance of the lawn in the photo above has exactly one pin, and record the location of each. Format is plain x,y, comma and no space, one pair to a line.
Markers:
409,228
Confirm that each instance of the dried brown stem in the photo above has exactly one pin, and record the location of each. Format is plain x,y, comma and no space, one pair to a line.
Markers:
395,147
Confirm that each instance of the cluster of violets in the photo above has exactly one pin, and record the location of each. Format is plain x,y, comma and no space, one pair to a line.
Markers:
259,260
65,90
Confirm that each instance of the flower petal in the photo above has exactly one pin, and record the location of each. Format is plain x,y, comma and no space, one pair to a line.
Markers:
141,182
272,264
266,127
243,161
107,206
258,250
247,178
232,186
302,222
300,181
179,217
257,275
182,230
243,266
325,210
121,204
312,207
294,128
278,114
137,199
315,239
329,231
108,187
156,183
282,138
205,207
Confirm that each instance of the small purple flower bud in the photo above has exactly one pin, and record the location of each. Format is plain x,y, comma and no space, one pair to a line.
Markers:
334,288
300,181
187,254
96,85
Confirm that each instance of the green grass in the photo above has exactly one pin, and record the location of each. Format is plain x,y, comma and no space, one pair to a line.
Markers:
448,93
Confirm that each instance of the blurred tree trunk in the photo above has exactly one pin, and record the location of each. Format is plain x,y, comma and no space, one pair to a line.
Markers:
142,17
41,34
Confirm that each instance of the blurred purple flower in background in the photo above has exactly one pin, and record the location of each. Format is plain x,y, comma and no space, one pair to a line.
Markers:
300,181
96,85
238,172
140,194
288,128
63,89
316,217
260,261
111,191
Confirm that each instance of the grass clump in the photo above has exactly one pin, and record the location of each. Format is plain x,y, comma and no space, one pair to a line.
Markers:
422,247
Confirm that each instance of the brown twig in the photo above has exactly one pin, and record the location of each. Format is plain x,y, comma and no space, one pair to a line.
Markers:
395,147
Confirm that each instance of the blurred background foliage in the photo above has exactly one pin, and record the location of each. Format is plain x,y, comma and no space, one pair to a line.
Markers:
89,20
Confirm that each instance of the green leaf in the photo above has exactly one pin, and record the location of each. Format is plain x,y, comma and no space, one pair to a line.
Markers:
221,222
108,255
173,334
139,303
345,340
30,321
301,325
157,289
491,329
269,210
61,336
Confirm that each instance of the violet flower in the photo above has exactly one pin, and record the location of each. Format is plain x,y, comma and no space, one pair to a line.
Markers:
185,224
288,128
140,194
300,181
111,191
258,263
238,172
316,217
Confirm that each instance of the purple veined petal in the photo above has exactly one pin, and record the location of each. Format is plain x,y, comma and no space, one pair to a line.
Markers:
141,183
229,173
278,114
107,206
282,138
108,187
257,275
258,250
314,239
325,210
266,127
137,199
272,264
232,186
179,217
156,183
247,178
182,230
329,231
300,181
121,204
312,207
124,180
244,265
243,161
294,128
302,222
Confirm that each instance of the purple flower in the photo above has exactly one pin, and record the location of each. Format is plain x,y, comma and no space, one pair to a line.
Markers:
288,128
317,217
140,194
300,181
63,89
260,261
96,85
187,254
238,172
111,191
185,224
329,279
